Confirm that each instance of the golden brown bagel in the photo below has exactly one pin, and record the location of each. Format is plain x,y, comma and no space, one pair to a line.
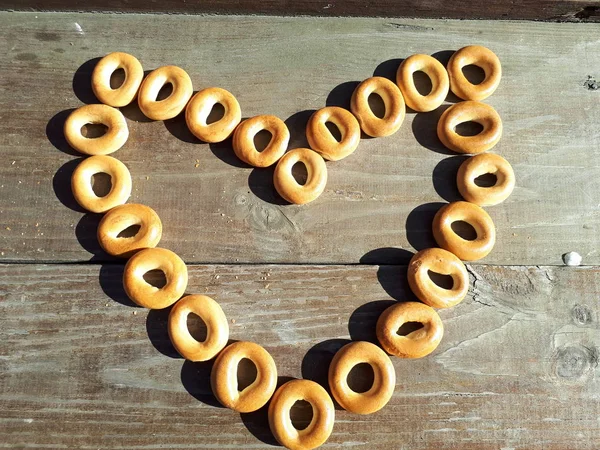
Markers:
321,425
114,138
81,183
479,56
462,112
384,380
474,216
479,165
174,103
417,344
199,108
440,261
243,140
217,328
322,141
143,293
124,94
224,382
436,73
287,186
122,217
392,99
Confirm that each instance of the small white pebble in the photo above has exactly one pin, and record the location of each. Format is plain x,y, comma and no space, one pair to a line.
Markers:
572,259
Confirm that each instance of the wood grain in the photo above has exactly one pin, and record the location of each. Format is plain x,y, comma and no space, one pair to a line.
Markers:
216,210
517,368
493,9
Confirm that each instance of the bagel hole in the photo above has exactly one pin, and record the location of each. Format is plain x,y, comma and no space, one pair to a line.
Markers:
93,130
130,231
474,74
165,92
334,130
197,327
469,128
156,278
486,180
377,105
422,83
361,378
216,113
301,414
441,280
117,78
409,327
465,230
101,184
300,173
246,374
262,139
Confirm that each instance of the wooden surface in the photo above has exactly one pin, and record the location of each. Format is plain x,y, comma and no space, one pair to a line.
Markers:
80,367
384,195
572,10
517,368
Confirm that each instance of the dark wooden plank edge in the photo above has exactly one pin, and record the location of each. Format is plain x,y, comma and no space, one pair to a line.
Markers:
542,10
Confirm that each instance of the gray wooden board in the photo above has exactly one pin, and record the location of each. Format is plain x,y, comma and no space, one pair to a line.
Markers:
517,368
382,196
469,9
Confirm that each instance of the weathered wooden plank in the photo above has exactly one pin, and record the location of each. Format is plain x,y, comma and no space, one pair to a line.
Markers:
382,196
517,368
494,9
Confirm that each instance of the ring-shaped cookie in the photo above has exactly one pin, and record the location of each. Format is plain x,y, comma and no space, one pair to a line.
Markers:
287,186
479,56
243,140
143,293
416,344
469,111
436,73
443,262
322,141
199,108
111,141
479,165
395,108
217,328
172,105
321,425
224,383
124,94
475,216
122,217
384,380
82,187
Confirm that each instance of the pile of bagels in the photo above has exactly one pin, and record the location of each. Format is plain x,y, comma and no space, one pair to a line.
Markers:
144,256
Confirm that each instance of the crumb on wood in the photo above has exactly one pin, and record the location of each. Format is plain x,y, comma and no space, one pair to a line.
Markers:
591,84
